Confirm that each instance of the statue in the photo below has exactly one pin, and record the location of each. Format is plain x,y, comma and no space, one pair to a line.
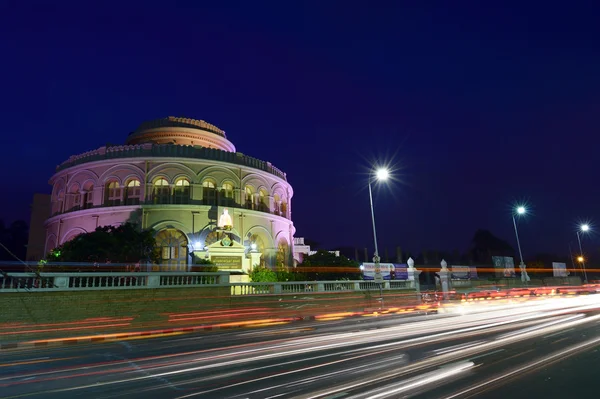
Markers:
225,221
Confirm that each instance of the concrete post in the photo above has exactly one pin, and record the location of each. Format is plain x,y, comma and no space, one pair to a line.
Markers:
444,275
223,278
61,282
524,276
413,275
153,281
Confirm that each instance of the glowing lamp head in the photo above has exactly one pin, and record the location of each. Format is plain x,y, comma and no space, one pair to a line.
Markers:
253,246
382,174
585,227
580,259
521,210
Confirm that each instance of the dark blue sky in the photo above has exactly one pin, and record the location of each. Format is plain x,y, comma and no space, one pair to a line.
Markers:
477,105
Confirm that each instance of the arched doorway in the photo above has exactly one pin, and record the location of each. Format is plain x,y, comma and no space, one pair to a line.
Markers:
173,249
256,239
283,253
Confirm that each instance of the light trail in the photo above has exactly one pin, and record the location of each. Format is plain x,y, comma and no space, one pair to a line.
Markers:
399,357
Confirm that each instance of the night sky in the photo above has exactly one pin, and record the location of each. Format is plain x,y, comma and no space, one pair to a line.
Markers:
474,106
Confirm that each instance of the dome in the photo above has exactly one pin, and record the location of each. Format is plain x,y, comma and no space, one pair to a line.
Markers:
181,131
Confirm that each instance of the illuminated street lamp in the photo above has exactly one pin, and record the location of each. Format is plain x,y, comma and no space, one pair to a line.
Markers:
520,211
584,228
380,175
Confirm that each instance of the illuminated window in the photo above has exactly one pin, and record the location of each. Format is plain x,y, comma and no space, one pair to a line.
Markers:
112,194
181,192
226,198
276,201
88,196
283,253
57,207
248,200
284,208
74,198
209,192
161,192
133,192
262,201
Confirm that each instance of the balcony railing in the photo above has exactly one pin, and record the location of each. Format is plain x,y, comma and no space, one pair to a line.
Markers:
150,150
229,203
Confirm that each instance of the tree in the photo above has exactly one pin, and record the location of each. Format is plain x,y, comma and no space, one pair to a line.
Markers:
109,244
262,275
324,265
485,245
204,265
14,238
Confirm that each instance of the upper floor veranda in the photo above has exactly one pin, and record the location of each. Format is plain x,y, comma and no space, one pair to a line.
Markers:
152,150
151,174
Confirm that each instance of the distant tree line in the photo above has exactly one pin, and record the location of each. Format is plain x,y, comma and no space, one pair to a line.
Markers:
14,238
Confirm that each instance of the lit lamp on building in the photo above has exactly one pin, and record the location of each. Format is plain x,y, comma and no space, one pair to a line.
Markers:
225,222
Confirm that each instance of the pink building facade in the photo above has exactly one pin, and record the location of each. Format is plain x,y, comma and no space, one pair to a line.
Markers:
176,176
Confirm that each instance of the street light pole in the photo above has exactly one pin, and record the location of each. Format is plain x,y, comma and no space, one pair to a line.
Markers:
381,174
520,211
582,257
376,257
518,242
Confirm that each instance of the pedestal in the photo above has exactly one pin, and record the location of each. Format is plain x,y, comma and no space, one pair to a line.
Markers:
444,282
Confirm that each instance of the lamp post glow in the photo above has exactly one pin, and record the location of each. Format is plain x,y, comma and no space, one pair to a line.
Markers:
584,228
381,175
520,210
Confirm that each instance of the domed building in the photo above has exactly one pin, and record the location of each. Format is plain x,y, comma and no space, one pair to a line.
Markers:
179,177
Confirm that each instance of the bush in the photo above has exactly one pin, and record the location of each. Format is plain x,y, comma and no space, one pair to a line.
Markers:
262,275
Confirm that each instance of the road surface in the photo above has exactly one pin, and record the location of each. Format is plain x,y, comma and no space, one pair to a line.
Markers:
544,347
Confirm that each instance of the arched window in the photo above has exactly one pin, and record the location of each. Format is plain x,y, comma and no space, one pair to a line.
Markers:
112,194
276,204
284,208
226,197
181,192
263,201
257,241
209,192
248,197
57,207
161,192
283,253
74,198
133,193
88,196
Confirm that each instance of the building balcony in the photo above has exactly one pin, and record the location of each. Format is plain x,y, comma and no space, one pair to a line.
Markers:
150,150
175,202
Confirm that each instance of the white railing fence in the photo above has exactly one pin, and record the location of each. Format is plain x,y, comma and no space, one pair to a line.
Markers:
44,282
